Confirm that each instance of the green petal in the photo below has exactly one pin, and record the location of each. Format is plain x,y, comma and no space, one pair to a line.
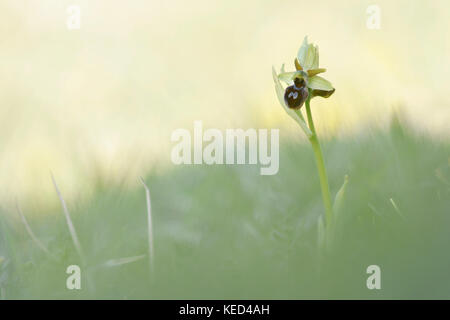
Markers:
288,77
313,72
301,54
298,67
294,114
308,55
315,63
310,58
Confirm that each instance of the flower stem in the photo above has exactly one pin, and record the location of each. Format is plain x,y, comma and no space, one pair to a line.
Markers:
320,167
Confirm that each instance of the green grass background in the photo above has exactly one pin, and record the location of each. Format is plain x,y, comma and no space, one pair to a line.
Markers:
227,232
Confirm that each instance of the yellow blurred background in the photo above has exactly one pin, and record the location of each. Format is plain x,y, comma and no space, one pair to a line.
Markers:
103,100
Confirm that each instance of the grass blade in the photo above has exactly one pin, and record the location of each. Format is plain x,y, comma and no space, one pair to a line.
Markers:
31,233
149,226
72,231
396,208
122,261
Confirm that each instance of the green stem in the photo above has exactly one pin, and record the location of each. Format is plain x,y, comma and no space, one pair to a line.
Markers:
320,167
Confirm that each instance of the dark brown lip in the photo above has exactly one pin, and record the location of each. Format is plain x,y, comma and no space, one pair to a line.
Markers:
296,94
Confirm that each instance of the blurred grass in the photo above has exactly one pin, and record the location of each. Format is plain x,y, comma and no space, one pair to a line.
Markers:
227,232
104,99
96,107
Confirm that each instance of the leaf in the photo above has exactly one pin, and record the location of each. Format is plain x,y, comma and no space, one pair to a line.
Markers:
294,114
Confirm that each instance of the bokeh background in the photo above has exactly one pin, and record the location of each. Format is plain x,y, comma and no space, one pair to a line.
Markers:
96,108
104,99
